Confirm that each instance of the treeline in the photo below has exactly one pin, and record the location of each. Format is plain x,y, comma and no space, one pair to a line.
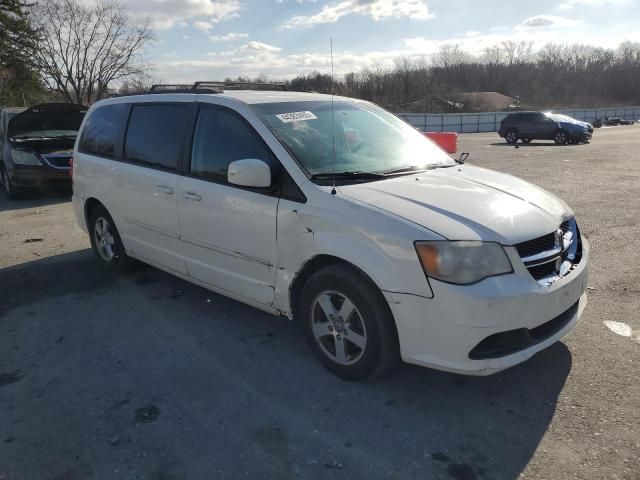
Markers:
555,76
19,81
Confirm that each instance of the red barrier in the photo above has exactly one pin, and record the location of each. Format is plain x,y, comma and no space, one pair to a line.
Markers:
447,140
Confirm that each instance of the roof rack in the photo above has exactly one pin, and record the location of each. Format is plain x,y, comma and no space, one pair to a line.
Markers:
214,87
252,86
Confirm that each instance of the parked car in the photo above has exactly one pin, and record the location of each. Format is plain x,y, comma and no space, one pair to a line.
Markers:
611,122
36,145
335,213
527,126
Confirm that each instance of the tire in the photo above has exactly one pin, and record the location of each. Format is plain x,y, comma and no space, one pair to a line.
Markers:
511,136
105,240
355,340
561,137
12,192
526,140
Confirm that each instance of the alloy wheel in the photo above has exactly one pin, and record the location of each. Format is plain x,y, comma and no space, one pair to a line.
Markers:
511,137
104,239
561,138
338,327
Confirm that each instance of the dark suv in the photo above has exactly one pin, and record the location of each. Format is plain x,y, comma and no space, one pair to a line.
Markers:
527,126
36,145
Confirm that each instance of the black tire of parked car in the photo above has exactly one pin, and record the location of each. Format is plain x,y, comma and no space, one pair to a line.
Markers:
526,140
120,260
382,349
511,136
561,137
12,192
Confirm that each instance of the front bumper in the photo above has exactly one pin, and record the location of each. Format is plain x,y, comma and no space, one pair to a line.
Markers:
443,331
580,136
40,177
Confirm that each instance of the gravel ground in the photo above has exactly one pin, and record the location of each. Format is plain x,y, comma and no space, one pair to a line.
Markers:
144,376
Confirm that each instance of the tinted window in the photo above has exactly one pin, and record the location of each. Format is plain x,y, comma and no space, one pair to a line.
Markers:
222,137
103,129
155,134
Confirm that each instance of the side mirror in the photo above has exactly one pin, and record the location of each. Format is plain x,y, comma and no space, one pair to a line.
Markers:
249,172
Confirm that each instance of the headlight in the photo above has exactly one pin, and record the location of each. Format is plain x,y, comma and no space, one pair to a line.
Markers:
22,157
462,262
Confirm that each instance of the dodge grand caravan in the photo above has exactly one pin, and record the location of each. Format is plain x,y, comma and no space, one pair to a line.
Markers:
338,214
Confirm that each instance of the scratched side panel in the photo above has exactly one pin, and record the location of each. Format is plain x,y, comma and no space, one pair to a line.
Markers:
376,242
229,238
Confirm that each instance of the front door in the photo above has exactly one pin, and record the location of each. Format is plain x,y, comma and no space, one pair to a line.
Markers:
228,232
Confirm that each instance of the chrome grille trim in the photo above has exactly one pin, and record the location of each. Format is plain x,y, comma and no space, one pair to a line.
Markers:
564,254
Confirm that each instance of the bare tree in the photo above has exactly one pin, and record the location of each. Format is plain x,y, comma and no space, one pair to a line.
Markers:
86,49
137,83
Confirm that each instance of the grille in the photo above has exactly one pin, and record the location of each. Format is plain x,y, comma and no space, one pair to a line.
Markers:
546,267
535,246
512,341
541,271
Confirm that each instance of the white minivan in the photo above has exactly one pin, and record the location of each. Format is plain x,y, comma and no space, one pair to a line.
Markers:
335,213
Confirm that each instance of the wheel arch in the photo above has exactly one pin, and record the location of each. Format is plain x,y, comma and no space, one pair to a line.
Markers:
89,204
317,263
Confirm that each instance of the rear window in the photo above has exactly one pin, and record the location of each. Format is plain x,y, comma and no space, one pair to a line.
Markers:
155,135
103,129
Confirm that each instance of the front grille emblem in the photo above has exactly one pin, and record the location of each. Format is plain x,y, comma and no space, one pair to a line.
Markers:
558,238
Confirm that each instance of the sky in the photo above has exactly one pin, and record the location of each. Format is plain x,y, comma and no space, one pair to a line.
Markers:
279,39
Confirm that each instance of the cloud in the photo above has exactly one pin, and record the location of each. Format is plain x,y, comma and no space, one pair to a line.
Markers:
228,37
569,4
168,13
202,25
376,9
262,47
544,22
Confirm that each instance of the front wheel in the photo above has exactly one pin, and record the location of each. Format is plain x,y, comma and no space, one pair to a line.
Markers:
348,324
561,137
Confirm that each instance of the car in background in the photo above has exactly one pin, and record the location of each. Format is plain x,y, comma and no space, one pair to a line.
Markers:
611,122
527,126
36,146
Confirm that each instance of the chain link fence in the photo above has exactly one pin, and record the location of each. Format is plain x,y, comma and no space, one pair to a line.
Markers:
490,121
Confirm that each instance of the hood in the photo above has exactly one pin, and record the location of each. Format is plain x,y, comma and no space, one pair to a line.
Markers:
41,120
467,203
576,125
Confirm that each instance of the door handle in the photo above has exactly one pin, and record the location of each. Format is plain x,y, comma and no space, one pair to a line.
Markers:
191,196
165,189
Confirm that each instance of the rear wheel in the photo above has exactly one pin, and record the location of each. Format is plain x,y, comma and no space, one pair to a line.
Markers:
511,136
348,324
561,137
105,240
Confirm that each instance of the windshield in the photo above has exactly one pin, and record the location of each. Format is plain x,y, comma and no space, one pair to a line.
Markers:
47,134
46,123
557,117
366,138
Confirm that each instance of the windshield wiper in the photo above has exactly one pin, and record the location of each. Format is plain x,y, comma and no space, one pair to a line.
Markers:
411,169
357,175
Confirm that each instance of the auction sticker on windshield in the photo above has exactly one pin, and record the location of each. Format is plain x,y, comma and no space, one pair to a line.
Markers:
296,116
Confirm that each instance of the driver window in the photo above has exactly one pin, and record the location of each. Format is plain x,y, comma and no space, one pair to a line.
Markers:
221,137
